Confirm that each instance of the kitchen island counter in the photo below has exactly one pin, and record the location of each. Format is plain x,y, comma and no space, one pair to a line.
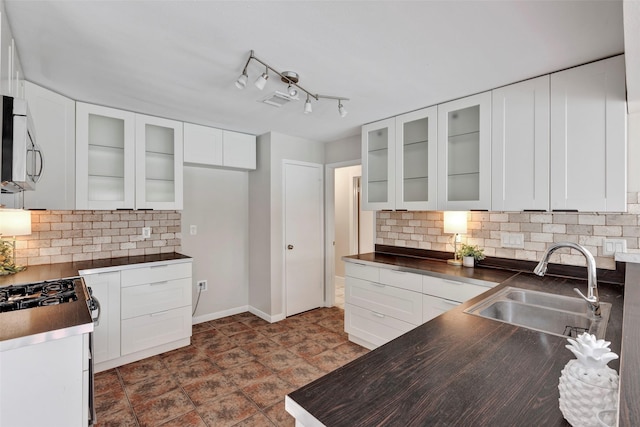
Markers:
457,369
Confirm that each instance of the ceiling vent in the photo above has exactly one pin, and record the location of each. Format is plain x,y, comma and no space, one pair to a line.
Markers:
278,99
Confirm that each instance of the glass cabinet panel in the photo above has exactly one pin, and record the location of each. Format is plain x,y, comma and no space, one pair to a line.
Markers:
464,151
416,160
378,165
106,159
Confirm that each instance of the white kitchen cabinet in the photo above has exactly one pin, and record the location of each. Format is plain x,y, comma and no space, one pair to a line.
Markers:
155,306
126,160
379,165
55,382
105,158
399,162
588,137
416,144
105,288
221,148
433,307
464,153
520,146
159,173
54,119
202,145
453,290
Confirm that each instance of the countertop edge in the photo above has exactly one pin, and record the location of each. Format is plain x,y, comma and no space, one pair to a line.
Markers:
94,270
27,340
300,414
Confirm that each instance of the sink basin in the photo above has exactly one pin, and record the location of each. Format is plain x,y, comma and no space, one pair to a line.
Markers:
541,311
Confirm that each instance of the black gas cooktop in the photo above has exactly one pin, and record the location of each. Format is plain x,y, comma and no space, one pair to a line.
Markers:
18,297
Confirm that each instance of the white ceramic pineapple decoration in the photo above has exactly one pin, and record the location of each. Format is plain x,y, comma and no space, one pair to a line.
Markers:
587,385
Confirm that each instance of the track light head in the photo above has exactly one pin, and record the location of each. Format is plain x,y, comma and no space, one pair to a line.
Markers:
292,91
242,80
343,112
307,106
262,80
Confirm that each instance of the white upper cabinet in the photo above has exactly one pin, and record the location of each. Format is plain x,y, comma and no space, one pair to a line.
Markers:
416,143
216,147
588,137
520,146
54,119
202,145
158,163
464,153
378,165
126,160
105,164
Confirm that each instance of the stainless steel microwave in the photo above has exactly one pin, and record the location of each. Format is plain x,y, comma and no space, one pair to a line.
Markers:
22,163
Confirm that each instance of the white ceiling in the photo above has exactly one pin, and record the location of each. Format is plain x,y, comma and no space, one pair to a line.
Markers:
180,59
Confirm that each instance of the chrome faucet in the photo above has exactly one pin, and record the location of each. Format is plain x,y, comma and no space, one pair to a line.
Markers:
592,293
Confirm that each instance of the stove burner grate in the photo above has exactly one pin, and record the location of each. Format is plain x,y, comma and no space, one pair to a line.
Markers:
18,297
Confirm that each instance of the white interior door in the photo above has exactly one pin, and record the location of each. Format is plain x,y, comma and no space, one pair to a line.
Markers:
304,263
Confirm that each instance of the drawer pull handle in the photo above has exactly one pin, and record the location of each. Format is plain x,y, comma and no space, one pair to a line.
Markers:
398,272
382,316
454,303
160,266
159,283
379,285
453,282
160,313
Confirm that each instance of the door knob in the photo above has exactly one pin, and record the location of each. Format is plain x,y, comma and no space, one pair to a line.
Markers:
289,247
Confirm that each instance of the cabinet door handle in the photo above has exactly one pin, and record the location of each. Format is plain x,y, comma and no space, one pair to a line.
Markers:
382,316
159,283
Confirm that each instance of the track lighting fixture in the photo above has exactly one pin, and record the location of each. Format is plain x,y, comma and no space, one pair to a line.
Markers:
242,80
341,109
307,106
291,79
262,80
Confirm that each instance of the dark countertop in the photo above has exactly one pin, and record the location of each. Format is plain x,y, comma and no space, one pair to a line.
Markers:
458,369
38,324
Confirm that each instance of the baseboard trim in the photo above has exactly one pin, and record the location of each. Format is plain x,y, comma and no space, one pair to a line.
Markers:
220,314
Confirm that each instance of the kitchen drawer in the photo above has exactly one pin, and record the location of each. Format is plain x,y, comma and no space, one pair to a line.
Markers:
450,289
401,279
373,327
155,273
361,271
154,297
144,332
434,306
385,300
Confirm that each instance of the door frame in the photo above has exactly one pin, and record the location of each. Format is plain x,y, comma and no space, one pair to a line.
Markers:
330,228
286,162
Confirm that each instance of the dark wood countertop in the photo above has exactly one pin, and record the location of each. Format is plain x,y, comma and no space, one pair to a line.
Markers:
458,369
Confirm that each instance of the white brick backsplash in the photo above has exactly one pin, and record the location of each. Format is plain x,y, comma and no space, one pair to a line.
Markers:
538,229
65,236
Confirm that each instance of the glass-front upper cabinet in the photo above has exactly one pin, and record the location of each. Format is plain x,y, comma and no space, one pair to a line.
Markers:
159,159
464,153
416,160
105,168
378,165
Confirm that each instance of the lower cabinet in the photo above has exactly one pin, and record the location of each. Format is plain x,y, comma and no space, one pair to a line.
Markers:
145,310
52,386
381,303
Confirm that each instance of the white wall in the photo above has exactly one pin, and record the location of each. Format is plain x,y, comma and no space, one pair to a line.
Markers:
633,153
216,201
343,150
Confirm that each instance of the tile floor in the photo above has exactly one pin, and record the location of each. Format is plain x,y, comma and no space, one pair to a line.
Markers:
236,372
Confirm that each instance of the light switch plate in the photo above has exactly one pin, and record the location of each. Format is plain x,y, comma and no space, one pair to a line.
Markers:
512,240
193,230
611,246
146,232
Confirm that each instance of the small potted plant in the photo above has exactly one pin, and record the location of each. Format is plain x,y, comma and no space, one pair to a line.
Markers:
470,254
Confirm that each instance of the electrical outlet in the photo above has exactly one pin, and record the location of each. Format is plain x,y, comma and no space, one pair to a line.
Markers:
146,232
512,240
611,246
202,285
193,230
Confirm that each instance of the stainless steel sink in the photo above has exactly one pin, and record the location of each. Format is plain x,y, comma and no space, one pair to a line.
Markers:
541,311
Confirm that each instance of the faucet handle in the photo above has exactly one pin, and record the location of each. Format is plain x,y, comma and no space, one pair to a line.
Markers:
590,300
